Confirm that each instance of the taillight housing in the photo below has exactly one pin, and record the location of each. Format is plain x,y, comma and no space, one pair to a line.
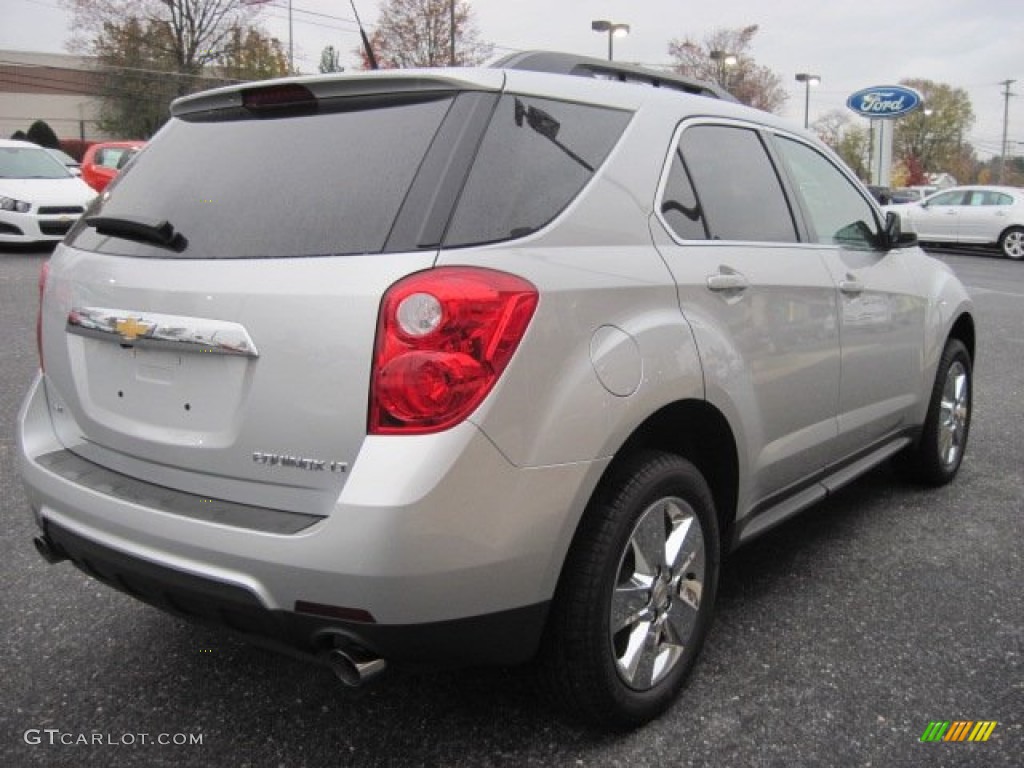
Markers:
444,337
44,273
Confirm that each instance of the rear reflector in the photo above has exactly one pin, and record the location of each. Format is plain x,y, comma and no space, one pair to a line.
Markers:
44,273
335,612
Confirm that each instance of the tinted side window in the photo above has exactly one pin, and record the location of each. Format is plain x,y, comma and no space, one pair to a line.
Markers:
535,158
736,183
987,197
947,198
679,205
839,214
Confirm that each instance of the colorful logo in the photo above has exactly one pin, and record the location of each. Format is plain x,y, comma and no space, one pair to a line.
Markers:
959,730
884,101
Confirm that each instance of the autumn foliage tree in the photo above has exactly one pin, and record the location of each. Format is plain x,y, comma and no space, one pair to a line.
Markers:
418,33
251,55
152,51
749,82
933,137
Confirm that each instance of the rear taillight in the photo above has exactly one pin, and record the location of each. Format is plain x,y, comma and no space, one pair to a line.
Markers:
444,338
44,273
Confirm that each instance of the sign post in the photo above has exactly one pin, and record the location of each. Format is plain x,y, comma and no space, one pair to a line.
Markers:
882,104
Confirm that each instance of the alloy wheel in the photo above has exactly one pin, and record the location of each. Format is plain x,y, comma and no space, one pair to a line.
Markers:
657,593
954,410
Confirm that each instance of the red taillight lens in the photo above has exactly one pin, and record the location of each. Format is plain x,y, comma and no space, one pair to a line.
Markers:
44,273
444,337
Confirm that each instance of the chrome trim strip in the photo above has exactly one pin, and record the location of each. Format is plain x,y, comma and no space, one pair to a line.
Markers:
132,328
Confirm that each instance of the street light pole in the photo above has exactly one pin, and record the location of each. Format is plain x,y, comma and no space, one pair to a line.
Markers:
808,80
613,29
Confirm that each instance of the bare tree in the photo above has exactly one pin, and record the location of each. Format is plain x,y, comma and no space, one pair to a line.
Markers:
723,57
831,126
418,33
151,51
851,141
193,33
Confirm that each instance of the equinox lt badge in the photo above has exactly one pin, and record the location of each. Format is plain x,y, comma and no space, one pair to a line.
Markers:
299,462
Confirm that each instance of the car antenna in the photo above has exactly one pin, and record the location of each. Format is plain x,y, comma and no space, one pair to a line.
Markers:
366,41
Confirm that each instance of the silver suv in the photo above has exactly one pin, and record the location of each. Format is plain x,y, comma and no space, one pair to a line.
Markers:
477,366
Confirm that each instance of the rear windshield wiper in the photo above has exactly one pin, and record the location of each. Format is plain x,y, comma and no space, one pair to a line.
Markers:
142,228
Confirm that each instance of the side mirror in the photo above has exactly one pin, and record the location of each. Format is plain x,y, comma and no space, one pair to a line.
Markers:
894,236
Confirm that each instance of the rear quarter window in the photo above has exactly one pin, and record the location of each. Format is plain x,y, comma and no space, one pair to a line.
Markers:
535,158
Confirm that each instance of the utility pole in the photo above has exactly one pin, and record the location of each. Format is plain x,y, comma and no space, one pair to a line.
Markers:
1006,120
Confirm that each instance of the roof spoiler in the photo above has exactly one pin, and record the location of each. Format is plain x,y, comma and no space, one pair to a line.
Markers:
583,66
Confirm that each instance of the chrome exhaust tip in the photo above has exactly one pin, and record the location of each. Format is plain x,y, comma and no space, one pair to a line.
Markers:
353,668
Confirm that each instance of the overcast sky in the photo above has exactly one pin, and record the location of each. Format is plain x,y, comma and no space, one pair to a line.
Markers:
851,44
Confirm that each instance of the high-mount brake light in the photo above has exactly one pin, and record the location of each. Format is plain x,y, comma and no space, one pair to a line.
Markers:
271,97
444,337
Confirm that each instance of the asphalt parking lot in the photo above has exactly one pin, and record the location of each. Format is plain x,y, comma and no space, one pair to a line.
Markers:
839,637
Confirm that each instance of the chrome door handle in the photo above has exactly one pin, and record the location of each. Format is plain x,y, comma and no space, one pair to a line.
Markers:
728,281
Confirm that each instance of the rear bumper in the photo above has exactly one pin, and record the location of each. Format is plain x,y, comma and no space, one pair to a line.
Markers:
507,637
440,548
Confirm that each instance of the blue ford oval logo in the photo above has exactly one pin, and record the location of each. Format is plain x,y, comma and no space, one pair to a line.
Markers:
884,101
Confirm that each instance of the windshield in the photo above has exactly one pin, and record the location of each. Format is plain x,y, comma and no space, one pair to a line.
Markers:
30,163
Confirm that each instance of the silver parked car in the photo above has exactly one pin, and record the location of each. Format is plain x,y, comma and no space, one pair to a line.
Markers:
976,215
497,366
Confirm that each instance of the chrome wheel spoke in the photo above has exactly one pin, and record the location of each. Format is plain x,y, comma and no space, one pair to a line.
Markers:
689,592
636,652
668,651
678,544
630,601
649,540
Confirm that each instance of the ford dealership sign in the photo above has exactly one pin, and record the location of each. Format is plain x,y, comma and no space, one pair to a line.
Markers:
884,101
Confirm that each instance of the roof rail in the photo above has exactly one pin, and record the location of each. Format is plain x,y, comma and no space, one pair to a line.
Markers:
583,66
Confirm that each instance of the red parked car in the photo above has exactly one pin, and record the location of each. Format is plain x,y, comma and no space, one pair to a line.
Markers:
102,161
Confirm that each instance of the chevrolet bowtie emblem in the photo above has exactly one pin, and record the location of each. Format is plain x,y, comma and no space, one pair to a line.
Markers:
130,329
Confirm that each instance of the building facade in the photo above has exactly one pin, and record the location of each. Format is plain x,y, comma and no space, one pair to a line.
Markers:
58,88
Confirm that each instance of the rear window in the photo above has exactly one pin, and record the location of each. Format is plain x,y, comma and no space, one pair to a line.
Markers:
300,185
536,156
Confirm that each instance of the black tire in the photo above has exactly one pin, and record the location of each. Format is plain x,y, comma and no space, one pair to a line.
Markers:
936,457
1011,243
585,662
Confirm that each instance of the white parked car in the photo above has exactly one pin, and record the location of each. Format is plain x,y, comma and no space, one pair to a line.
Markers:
40,199
976,215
